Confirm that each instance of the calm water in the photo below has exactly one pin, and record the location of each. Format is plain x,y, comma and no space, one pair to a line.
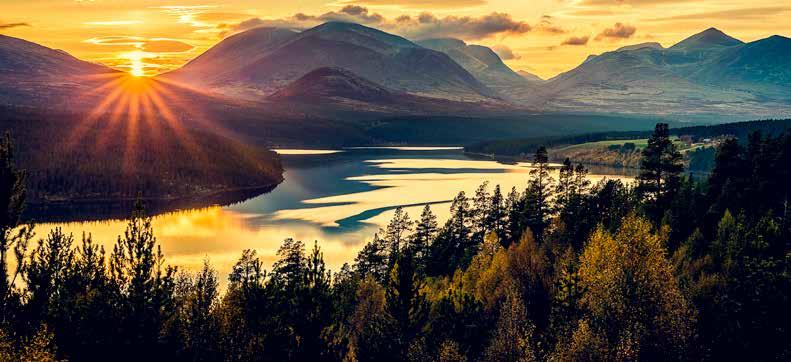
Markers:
338,197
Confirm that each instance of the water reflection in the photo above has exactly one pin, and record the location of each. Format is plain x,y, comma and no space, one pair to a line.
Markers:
339,199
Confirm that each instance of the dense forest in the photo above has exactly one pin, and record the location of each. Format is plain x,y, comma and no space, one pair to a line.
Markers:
71,157
665,269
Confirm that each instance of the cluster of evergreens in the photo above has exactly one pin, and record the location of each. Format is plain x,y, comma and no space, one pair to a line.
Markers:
669,269
109,158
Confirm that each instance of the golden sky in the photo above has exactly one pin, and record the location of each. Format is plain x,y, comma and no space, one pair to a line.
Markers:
544,37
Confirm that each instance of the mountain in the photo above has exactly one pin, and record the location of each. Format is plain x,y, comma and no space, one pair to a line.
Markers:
263,67
24,60
31,73
651,45
479,60
707,73
338,89
530,76
707,39
764,64
233,53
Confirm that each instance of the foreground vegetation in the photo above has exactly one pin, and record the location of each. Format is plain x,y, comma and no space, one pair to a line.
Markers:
562,270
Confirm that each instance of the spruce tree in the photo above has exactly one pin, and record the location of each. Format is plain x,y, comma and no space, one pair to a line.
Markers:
539,194
660,173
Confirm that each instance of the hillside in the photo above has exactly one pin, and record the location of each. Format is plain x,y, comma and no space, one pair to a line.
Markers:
709,73
263,67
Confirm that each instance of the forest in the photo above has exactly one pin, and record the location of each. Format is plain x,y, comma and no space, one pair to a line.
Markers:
69,157
668,268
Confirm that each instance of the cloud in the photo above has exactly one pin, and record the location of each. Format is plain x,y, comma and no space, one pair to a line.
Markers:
113,23
150,45
214,17
732,14
632,2
547,26
576,40
425,25
505,52
618,31
165,46
12,25
418,4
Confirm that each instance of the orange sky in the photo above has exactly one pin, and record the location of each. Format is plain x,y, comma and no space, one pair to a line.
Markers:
545,37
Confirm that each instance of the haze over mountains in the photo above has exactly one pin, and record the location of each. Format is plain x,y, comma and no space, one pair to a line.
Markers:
368,70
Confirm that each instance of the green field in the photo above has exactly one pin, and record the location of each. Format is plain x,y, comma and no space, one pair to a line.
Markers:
639,143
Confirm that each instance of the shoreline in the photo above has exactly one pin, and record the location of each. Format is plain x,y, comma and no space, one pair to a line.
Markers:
104,209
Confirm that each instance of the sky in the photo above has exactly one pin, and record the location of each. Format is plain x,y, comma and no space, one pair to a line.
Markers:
544,37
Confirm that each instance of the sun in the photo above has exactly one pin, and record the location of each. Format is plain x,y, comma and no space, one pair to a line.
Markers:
136,64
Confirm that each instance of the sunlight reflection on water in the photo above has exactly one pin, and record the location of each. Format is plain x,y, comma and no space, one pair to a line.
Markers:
339,199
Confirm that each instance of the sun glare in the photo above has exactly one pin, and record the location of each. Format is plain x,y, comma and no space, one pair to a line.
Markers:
136,65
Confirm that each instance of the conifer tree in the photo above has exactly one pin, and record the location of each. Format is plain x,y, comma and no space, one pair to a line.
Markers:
539,194
12,203
660,172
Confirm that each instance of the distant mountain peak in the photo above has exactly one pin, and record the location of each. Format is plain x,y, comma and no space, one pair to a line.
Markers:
711,37
327,82
650,45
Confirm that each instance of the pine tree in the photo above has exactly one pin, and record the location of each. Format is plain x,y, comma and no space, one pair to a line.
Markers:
480,212
396,234
405,305
425,231
12,203
146,284
539,194
515,225
660,173
496,215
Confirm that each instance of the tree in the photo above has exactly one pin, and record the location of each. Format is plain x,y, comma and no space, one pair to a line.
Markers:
425,231
539,194
405,305
495,218
396,234
453,247
513,333
372,260
632,296
514,205
12,203
660,172
145,283
480,212
198,297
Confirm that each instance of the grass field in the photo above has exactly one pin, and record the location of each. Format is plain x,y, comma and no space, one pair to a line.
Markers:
639,143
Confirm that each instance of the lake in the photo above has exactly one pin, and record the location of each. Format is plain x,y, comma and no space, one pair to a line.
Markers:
338,197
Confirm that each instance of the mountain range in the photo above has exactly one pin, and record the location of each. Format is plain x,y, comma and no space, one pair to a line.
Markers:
358,69
709,72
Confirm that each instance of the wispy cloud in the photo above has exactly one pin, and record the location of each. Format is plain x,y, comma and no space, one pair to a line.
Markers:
113,22
12,25
149,45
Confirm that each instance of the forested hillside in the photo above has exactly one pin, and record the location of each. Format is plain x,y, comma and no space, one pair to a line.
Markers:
527,146
71,157
665,269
